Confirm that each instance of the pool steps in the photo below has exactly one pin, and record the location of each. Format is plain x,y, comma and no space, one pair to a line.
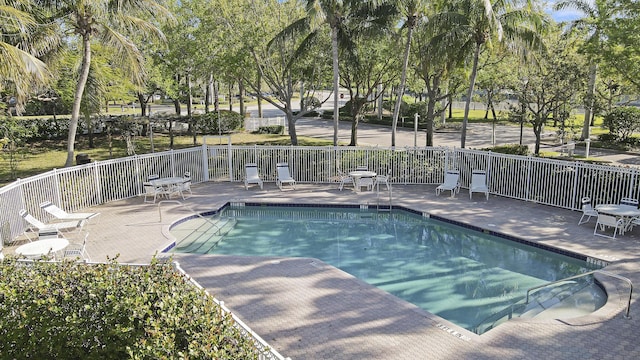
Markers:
198,241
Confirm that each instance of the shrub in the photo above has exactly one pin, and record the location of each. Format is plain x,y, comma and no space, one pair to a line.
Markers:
229,122
511,149
622,122
70,310
311,103
271,129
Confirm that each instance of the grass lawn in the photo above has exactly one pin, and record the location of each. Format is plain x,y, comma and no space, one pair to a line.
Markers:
42,156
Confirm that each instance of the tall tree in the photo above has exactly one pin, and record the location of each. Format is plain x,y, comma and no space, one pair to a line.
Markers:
24,38
368,64
411,11
335,14
596,17
549,85
111,22
471,25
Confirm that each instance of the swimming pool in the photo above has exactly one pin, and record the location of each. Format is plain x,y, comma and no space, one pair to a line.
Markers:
471,278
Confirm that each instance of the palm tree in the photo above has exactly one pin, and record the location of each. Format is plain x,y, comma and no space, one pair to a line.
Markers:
411,10
596,16
370,15
110,22
22,40
471,24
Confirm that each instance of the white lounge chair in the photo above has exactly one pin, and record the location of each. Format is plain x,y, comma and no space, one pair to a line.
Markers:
251,175
344,179
478,183
587,210
606,221
284,177
38,226
60,214
451,183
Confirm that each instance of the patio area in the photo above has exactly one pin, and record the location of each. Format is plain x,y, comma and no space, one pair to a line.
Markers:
306,309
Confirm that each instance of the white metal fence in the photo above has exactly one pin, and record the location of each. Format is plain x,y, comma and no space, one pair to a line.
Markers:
551,182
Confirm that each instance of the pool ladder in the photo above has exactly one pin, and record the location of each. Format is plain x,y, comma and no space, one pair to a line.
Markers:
389,205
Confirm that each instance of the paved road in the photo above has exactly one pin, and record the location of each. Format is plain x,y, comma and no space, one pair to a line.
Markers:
479,136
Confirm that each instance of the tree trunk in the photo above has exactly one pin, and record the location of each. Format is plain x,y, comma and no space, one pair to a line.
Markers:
77,98
208,94
292,125
243,111
216,96
176,107
356,108
467,105
259,95
588,110
403,79
336,83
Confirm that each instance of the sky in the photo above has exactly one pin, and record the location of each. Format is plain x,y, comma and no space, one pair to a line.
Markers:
564,15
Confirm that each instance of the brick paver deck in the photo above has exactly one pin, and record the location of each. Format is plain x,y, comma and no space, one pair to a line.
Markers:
307,309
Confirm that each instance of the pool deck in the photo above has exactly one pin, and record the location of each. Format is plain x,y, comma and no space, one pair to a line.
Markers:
306,309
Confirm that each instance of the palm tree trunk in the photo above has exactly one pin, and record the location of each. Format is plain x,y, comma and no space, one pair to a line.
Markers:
403,79
593,72
77,98
467,105
336,83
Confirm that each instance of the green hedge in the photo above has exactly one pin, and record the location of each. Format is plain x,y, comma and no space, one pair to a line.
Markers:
270,129
71,310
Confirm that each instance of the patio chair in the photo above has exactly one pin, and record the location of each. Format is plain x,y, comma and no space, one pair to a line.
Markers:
587,210
368,182
154,191
344,179
608,221
60,214
630,202
77,251
478,183
284,177
251,175
362,168
451,182
184,186
38,226
383,179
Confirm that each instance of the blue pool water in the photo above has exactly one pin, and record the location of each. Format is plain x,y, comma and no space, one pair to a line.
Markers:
466,276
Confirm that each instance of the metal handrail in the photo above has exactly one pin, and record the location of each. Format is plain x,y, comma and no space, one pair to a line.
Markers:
620,277
213,224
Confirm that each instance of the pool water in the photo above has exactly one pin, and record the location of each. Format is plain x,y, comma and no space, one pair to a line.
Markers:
468,277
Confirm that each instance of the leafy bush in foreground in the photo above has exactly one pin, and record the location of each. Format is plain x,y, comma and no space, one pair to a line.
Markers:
108,311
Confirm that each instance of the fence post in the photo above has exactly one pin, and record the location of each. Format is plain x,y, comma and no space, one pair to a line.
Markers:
574,196
96,171
631,185
528,192
139,179
205,160
230,156
173,162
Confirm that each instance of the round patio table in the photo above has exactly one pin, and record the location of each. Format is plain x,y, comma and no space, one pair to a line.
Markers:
42,247
358,175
